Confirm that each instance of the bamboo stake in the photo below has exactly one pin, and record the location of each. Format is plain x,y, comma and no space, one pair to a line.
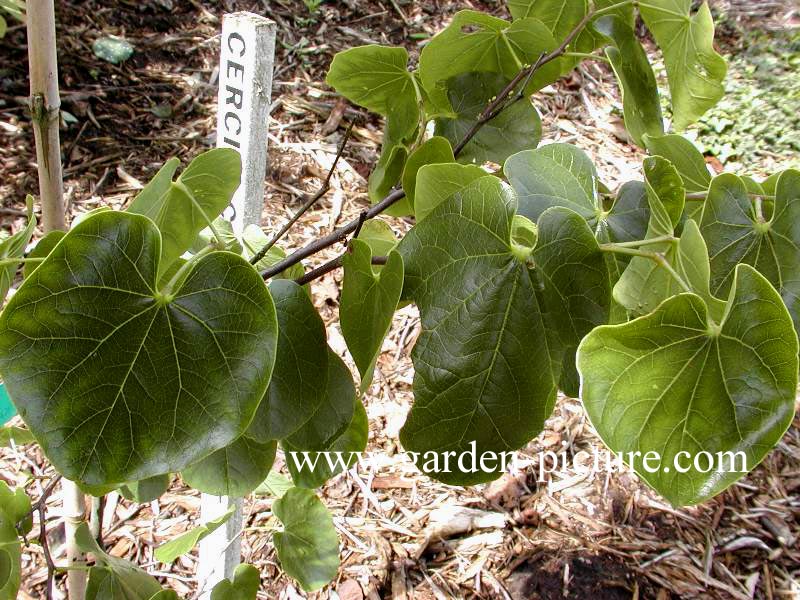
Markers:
45,105
74,506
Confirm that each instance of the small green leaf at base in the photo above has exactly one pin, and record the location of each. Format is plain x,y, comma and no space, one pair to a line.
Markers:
168,552
244,586
308,546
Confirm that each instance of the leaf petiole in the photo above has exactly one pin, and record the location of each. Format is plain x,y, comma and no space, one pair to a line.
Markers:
5,262
173,284
656,256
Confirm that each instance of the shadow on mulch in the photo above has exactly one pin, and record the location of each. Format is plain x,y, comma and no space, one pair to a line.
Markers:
577,578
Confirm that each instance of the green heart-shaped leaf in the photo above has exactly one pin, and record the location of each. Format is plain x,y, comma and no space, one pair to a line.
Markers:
367,304
235,470
17,506
576,283
113,577
310,469
434,150
646,283
517,128
300,376
104,367
694,69
308,547
554,175
683,155
146,490
184,207
477,42
333,414
559,16
675,382
437,182
640,102
479,384
736,233
372,76
244,586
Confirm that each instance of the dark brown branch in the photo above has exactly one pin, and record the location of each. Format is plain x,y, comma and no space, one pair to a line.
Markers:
502,100
308,203
46,492
332,265
338,235
51,567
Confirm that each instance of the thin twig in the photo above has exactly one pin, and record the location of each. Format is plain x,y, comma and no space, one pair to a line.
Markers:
332,265
491,111
51,567
46,492
308,203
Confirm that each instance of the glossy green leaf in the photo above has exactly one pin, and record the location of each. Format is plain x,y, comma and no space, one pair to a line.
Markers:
333,414
386,175
308,546
479,383
378,235
560,16
640,102
437,182
684,156
300,376
576,283
477,42
736,233
244,586
274,485
693,266
310,469
434,150
673,382
14,247
89,324
235,470
372,76
694,69
16,505
113,578
367,304
42,249
554,175
517,128
183,544
629,215
589,40
182,208
645,282
146,490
